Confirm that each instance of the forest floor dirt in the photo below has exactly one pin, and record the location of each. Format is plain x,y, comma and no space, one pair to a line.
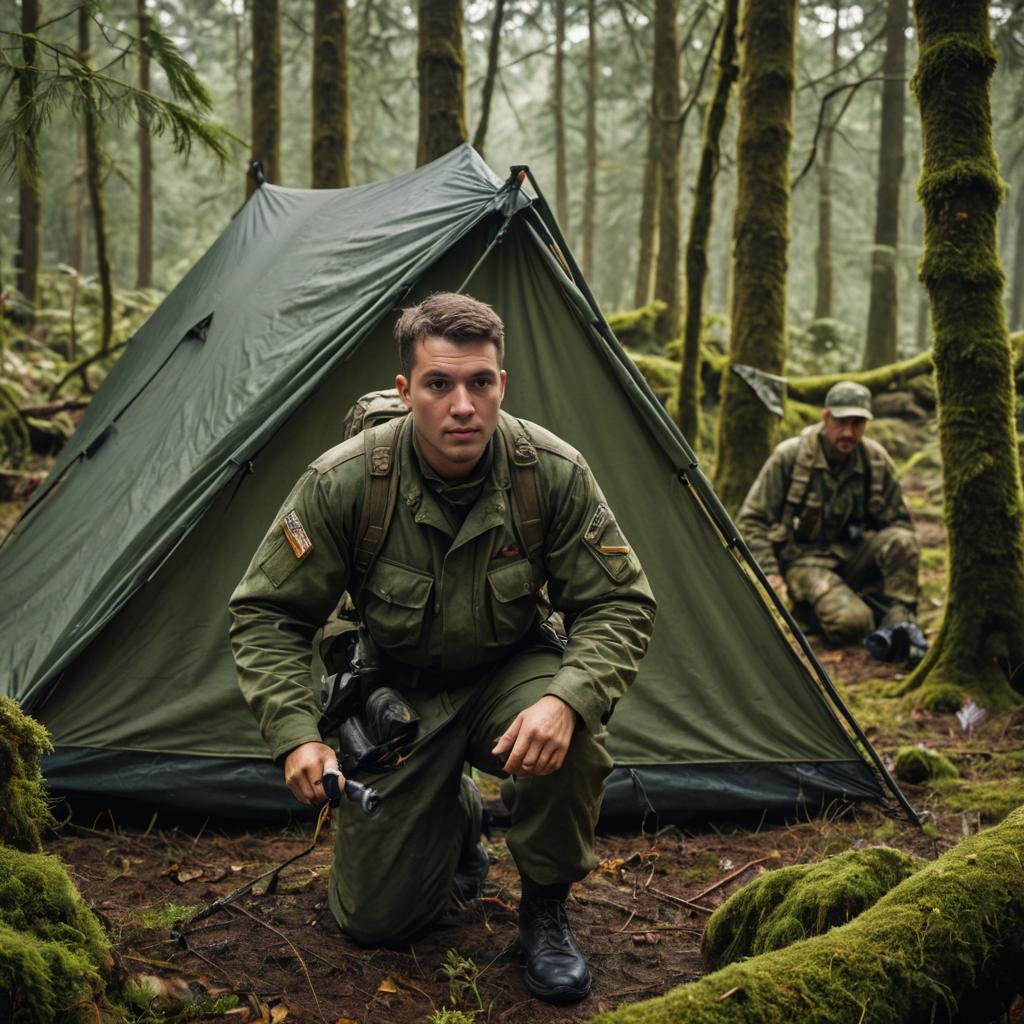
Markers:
639,916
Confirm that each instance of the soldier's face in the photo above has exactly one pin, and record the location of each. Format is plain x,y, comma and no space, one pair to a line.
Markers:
843,433
454,392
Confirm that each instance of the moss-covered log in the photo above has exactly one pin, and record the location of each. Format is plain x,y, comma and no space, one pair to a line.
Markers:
24,810
666,104
441,63
266,90
800,901
330,95
700,225
948,935
881,339
637,328
885,378
746,429
980,645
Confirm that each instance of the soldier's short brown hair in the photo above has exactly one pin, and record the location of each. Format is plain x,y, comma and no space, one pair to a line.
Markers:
458,318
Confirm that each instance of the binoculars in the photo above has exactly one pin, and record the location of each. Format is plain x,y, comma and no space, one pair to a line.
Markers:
902,642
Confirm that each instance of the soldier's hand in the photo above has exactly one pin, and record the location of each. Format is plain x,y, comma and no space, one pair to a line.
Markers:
778,584
538,738
304,771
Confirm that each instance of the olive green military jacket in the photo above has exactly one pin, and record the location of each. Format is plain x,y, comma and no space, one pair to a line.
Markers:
817,531
435,600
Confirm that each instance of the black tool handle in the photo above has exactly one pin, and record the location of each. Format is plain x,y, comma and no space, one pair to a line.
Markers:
367,798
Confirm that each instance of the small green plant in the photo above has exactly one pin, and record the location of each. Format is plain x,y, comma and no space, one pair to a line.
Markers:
462,975
451,1017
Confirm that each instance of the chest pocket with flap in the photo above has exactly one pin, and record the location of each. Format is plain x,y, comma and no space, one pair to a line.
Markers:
396,602
512,599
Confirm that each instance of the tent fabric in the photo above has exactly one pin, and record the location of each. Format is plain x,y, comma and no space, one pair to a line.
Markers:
113,630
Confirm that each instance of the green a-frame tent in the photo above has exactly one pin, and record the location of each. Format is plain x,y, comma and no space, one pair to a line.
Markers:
113,621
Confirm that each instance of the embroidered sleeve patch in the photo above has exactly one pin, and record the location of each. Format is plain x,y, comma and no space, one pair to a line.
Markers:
600,520
295,533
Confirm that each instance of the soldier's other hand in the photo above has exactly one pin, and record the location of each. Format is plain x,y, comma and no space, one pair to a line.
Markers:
538,738
778,584
304,771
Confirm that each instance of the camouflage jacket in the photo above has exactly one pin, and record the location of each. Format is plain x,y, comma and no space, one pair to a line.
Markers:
823,522
437,600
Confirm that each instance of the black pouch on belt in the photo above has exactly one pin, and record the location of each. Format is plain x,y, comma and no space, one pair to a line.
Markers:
371,739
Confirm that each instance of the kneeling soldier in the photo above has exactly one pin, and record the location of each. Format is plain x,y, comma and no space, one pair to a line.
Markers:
826,520
455,530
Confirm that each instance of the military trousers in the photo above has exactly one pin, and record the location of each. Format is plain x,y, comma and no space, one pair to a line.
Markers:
885,564
391,874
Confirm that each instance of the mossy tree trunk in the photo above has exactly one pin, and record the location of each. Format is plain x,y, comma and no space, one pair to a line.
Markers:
144,256
558,112
1017,288
590,173
30,183
981,642
700,224
265,91
330,95
648,225
493,48
823,260
948,935
882,340
441,63
746,429
921,317
668,123
94,179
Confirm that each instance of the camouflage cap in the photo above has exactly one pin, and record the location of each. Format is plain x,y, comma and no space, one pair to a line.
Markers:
847,398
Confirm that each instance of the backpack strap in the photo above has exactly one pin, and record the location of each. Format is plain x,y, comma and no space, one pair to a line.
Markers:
380,489
522,458
799,496
876,472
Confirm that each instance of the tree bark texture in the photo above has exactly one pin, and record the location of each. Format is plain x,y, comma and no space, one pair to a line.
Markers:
648,229
948,935
144,256
700,225
667,111
882,340
558,109
590,174
746,428
823,263
1017,289
330,95
981,641
493,49
94,179
441,63
265,93
30,185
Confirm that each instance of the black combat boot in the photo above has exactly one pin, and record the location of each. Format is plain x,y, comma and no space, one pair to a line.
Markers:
555,969
470,872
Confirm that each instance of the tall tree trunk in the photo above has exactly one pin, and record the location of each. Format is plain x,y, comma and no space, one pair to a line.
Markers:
881,343
1017,290
981,642
746,429
144,256
558,103
668,122
648,228
330,95
493,48
442,74
80,192
265,92
30,185
921,319
823,277
590,176
94,177
700,225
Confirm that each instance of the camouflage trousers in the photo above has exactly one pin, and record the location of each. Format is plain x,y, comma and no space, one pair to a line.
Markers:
391,874
885,565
